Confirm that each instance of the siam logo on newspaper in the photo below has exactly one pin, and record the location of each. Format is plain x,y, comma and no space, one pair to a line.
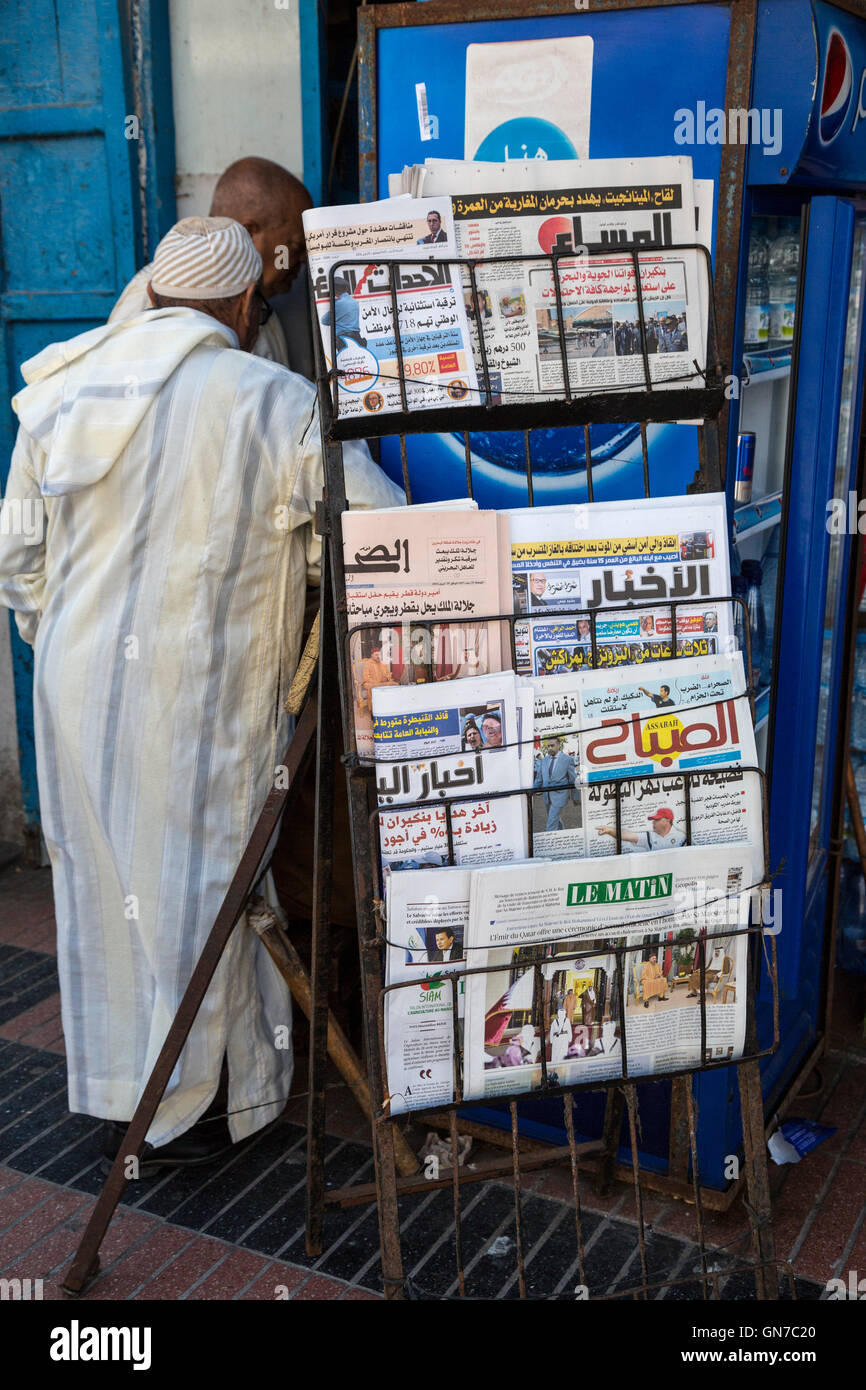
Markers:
619,890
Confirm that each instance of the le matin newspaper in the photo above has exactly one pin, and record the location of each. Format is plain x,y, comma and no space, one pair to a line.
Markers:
563,917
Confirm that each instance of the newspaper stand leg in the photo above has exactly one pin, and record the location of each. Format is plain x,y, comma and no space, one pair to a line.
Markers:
323,854
85,1265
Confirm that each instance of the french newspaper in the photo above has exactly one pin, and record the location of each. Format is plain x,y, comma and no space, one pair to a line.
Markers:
551,926
358,332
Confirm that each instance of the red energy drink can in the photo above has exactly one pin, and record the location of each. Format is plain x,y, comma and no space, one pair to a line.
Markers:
745,467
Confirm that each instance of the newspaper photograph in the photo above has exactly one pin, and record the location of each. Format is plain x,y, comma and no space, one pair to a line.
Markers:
549,917
359,340
588,559
426,919
404,570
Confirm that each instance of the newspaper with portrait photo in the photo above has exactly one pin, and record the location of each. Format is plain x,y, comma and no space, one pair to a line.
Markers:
591,319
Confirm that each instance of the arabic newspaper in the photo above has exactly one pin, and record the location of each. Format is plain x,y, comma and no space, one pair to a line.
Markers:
589,728
564,917
697,718
529,207
427,914
436,355
607,556
405,568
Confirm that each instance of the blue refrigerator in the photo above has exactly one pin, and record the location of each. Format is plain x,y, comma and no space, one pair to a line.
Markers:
794,306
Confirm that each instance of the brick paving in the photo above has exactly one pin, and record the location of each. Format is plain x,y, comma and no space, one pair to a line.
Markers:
235,1230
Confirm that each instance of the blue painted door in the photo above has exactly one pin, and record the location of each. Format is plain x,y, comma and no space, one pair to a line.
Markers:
70,207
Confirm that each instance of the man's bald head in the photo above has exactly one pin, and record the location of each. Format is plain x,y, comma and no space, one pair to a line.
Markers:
267,200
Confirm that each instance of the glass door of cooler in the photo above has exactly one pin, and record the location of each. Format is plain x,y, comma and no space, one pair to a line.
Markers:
768,341
794,537
801,399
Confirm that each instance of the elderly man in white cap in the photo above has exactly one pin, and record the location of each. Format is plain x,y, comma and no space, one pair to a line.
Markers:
178,477
269,201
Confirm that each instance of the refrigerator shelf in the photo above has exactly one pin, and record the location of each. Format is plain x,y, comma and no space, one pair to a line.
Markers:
759,515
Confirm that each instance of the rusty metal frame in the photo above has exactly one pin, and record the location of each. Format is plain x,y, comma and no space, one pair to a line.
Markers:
597,1157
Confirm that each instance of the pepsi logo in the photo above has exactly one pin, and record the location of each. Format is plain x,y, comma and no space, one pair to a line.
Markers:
837,88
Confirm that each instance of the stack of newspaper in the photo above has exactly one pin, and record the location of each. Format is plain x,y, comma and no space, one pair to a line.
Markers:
547,798
516,325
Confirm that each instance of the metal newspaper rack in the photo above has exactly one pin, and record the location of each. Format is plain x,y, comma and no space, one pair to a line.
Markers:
597,1158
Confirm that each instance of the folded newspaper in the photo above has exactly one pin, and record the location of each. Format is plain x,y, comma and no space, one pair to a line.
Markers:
427,916
588,316
429,355
550,927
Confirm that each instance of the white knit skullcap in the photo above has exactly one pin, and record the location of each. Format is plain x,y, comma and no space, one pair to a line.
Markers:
205,258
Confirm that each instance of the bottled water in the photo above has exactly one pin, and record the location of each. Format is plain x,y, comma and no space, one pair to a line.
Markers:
751,577
783,276
757,326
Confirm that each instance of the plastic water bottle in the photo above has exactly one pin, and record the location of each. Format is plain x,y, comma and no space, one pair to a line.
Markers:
757,326
757,623
783,276
738,589
770,569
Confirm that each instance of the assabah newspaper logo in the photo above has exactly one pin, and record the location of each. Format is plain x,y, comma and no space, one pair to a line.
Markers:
77,1343
837,88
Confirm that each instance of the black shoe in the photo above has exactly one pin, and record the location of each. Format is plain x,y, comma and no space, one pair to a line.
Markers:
204,1143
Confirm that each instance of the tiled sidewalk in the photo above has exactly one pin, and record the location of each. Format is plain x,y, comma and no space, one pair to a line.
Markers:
235,1230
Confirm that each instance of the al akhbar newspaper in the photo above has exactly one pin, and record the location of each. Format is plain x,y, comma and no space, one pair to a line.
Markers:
580,560
359,339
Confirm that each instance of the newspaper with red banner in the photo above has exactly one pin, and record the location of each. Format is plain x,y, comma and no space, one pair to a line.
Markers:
654,730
